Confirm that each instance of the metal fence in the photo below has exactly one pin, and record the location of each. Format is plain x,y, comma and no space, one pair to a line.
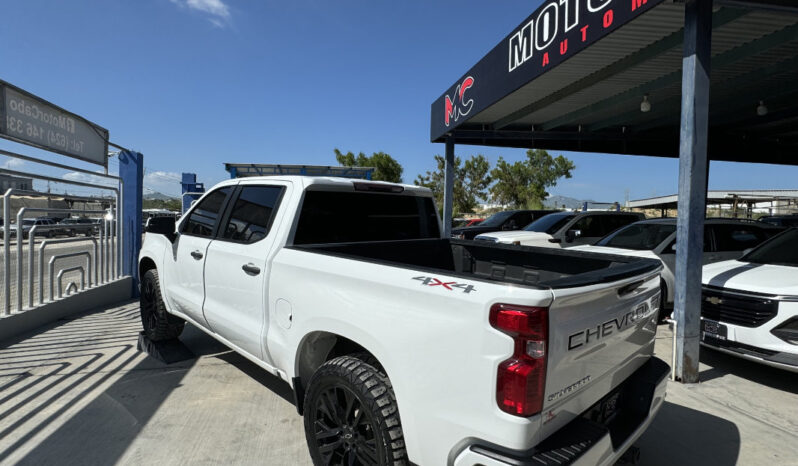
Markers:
36,271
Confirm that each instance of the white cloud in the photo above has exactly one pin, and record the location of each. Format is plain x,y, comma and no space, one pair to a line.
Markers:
163,182
86,178
12,164
218,11
154,182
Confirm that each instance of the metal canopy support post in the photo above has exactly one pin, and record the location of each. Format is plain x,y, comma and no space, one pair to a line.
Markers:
692,185
192,190
131,173
448,189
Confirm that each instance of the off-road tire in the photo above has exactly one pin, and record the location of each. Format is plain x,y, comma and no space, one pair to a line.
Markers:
157,323
365,423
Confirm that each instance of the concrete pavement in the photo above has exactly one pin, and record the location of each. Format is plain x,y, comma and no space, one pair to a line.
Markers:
78,393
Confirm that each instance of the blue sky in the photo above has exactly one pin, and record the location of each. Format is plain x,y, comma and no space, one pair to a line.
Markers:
195,83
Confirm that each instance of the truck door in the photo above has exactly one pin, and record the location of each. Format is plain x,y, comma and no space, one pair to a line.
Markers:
183,269
236,268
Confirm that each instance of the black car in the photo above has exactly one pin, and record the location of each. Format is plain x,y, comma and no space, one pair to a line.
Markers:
501,221
81,225
781,220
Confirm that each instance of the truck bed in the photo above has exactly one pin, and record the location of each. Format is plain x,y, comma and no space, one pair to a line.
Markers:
521,265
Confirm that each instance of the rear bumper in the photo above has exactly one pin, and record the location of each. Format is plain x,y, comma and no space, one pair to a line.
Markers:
584,442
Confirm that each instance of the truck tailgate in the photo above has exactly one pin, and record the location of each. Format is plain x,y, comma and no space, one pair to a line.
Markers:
598,336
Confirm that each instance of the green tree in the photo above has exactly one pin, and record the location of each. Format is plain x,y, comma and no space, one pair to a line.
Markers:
523,184
386,167
471,181
170,204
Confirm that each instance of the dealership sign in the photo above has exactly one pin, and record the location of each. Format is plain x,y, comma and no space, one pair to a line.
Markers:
558,30
30,120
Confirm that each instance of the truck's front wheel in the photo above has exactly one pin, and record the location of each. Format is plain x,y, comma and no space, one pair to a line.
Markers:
351,416
158,324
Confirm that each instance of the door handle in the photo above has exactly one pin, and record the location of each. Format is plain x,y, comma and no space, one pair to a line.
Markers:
196,255
251,269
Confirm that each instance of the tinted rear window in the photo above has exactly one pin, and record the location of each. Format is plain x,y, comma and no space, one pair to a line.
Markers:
343,217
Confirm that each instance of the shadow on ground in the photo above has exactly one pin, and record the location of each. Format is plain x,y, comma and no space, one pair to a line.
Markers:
722,364
685,436
103,430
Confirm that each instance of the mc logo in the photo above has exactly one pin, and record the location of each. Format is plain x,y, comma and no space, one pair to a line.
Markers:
459,107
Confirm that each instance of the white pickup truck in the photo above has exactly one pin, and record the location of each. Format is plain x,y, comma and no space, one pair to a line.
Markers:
403,347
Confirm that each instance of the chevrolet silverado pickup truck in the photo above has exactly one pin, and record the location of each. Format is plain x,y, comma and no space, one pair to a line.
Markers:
403,347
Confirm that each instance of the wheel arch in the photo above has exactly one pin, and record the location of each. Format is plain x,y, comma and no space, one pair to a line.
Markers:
146,263
315,349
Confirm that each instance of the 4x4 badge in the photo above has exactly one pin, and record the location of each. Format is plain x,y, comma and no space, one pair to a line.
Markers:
431,281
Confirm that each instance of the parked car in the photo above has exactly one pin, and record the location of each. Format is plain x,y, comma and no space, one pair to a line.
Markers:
656,239
346,290
749,306
781,220
466,222
506,220
80,225
565,229
46,227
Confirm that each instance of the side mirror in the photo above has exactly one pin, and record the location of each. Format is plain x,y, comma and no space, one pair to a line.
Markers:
162,226
571,235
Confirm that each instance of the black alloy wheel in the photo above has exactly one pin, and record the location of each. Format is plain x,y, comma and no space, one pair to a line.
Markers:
344,430
351,418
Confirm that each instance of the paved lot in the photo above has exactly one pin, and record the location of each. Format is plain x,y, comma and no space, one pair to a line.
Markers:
54,247
79,393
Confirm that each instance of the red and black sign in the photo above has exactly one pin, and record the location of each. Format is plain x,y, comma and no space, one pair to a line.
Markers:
556,31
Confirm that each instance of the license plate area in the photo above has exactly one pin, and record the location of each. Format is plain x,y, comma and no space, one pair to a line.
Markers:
605,410
712,330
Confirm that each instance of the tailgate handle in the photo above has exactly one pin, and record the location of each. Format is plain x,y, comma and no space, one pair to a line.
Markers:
626,289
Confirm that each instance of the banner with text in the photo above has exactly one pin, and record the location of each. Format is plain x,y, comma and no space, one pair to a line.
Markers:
30,120
556,31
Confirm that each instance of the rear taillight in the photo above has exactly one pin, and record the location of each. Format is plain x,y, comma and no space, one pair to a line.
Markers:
521,379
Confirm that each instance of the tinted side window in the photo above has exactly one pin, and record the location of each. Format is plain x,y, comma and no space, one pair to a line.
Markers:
613,222
203,218
737,238
253,213
589,225
707,242
523,219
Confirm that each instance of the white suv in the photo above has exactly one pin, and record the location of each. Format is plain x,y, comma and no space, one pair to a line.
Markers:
749,306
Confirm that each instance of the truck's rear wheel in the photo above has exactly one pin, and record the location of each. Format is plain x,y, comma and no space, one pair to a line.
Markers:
158,324
351,417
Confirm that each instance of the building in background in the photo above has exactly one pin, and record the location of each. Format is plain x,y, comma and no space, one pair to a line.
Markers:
14,182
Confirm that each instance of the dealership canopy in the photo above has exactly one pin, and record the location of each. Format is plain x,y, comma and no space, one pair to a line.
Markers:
694,79
605,76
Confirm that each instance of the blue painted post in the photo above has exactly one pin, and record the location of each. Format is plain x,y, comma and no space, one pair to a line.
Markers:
693,166
189,185
448,189
131,171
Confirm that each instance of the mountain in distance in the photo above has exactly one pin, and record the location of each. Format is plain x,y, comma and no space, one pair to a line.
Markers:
151,195
556,202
